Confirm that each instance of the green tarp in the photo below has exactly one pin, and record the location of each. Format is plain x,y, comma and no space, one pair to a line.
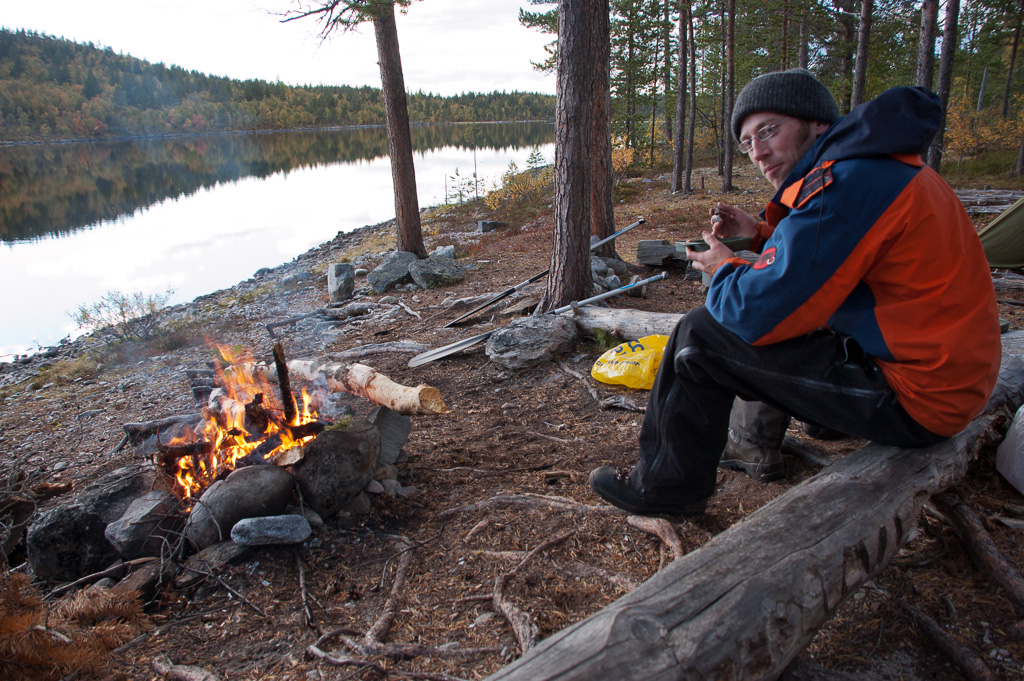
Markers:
1003,238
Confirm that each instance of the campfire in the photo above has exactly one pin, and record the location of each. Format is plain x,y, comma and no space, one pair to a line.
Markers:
247,421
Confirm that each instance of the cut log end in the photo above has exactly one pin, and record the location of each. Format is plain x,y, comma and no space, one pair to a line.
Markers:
430,400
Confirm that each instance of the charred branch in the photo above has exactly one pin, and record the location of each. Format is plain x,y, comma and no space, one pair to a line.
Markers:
285,385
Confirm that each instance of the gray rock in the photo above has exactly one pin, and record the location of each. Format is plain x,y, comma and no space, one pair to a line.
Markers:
341,281
271,530
374,487
531,341
209,561
247,493
660,253
394,432
336,466
444,251
484,226
617,266
68,542
611,282
391,487
392,272
151,522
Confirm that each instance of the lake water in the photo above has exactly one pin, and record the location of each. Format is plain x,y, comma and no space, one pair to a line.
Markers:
200,214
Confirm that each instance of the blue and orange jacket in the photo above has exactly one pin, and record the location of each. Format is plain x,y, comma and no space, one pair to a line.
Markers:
864,239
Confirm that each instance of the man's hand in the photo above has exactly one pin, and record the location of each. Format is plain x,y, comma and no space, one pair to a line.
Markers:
729,221
707,261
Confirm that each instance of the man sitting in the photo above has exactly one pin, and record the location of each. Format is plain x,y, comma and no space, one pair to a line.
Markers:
870,311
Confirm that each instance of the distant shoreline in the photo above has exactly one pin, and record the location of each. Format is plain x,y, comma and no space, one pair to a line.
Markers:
255,131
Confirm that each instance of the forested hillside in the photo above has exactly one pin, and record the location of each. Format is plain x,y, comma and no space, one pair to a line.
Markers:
52,88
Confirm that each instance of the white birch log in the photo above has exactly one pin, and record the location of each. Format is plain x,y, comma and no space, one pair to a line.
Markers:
359,379
750,600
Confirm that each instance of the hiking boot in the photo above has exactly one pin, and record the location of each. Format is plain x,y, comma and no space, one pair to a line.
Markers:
757,461
756,432
615,486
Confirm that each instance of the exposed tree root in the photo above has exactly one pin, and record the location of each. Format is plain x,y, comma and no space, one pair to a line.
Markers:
536,502
523,626
662,529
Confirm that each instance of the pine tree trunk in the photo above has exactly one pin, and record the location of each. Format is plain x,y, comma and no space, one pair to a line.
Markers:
926,49
805,39
602,204
396,119
1019,170
680,146
688,187
654,103
666,77
1013,61
949,35
863,45
730,59
847,42
570,277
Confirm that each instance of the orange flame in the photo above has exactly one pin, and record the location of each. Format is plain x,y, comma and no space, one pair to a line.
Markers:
224,436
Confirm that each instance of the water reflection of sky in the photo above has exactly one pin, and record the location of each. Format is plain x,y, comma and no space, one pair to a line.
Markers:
212,239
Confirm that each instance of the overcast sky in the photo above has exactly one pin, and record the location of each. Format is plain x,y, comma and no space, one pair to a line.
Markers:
448,46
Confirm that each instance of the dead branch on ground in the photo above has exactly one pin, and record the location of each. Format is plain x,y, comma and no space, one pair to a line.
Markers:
983,551
180,672
970,664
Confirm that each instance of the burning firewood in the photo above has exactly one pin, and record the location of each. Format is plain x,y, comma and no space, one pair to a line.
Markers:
359,379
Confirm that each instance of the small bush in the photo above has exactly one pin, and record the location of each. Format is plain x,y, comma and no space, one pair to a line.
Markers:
127,316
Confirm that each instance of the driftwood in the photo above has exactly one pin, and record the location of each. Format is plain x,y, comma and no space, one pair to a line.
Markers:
625,323
748,602
359,379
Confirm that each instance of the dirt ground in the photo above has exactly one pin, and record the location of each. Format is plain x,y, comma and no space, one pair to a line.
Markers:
529,435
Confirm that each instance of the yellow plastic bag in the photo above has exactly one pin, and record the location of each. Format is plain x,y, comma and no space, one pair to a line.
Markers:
633,364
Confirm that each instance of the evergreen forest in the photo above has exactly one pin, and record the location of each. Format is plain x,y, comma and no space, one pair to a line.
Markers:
967,51
55,89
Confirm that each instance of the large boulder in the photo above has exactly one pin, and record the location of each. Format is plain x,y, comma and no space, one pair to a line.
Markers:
437,270
68,541
336,466
248,492
392,272
531,341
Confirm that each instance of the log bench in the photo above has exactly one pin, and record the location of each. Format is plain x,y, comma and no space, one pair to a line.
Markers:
744,605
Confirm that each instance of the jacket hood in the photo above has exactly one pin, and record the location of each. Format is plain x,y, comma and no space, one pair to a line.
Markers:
901,120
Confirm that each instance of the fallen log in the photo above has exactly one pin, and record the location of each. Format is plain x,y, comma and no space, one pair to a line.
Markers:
747,603
359,379
625,323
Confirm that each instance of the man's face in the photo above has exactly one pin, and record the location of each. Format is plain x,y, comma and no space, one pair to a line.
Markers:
778,155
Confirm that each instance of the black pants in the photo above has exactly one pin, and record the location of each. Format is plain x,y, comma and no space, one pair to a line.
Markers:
821,378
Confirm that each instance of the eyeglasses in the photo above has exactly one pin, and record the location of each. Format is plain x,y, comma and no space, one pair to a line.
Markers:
762,135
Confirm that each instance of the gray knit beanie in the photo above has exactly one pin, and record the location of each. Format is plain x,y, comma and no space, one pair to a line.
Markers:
795,92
